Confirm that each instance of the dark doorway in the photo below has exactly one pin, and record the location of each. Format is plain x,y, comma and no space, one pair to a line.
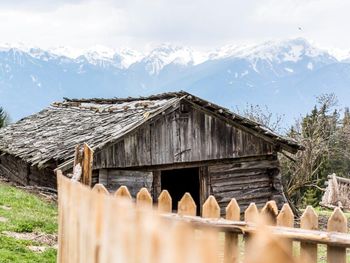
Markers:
180,181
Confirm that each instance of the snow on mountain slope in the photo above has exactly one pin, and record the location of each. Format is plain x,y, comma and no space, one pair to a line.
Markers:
276,73
167,54
155,60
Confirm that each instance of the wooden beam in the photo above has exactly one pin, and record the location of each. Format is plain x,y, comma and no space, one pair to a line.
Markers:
311,236
180,165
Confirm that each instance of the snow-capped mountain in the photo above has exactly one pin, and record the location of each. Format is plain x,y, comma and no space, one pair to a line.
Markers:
280,74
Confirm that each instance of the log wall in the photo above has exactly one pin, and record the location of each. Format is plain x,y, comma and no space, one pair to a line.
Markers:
248,182
14,169
20,172
42,177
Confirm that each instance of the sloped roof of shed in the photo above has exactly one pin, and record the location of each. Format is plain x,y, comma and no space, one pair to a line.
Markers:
53,133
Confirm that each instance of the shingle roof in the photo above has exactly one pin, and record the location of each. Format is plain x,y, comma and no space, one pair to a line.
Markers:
53,133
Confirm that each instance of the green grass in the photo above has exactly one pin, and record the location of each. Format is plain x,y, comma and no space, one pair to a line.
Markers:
328,212
28,213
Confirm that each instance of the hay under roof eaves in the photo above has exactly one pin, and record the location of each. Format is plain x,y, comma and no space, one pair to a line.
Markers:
53,133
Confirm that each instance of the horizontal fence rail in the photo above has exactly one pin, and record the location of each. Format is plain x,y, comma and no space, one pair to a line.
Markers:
91,229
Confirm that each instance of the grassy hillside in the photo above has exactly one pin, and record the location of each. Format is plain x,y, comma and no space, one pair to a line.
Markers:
28,227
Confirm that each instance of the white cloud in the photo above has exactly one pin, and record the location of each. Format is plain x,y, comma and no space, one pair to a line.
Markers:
201,23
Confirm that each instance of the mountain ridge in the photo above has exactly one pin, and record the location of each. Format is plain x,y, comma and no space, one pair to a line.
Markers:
275,74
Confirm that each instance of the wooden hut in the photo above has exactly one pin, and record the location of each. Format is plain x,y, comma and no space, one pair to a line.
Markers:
174,141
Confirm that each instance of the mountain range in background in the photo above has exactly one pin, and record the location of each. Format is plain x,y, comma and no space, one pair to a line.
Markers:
286,75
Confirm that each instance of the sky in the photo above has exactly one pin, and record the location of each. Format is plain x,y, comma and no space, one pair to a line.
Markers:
202,24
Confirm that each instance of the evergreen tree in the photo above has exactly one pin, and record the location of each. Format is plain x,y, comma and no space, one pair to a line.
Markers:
310,198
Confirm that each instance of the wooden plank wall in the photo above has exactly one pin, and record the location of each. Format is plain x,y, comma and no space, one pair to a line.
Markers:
246,182
184,134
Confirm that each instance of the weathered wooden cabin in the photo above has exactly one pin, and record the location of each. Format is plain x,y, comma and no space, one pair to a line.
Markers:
174,141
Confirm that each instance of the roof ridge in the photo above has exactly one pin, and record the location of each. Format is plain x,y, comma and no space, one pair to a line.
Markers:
115,100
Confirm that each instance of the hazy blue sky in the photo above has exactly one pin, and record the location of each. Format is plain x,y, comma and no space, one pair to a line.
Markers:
198,23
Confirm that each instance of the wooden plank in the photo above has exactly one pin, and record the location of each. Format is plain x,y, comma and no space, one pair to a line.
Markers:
270,212
204,187
164,202
134,180
61,218
231,250
340,179
123,192
186,206
251,214
78,155
144,198
337,223
157,184
296,234
97,206
309,220
99,188
211,208
286,218
103,176
87,165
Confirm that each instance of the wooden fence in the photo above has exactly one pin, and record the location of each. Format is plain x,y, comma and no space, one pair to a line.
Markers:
337,193
95,226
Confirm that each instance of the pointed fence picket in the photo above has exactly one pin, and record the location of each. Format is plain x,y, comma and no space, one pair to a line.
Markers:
165,202
337,223
144,198
91,226
231,250
309,220
186,206
123,192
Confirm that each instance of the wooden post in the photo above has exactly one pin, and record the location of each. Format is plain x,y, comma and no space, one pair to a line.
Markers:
231,252
87,165
186,206
269,212
211,208
144,198
308,251
156,183
286,219
78,156
123,191
337,223
99,188
164,202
